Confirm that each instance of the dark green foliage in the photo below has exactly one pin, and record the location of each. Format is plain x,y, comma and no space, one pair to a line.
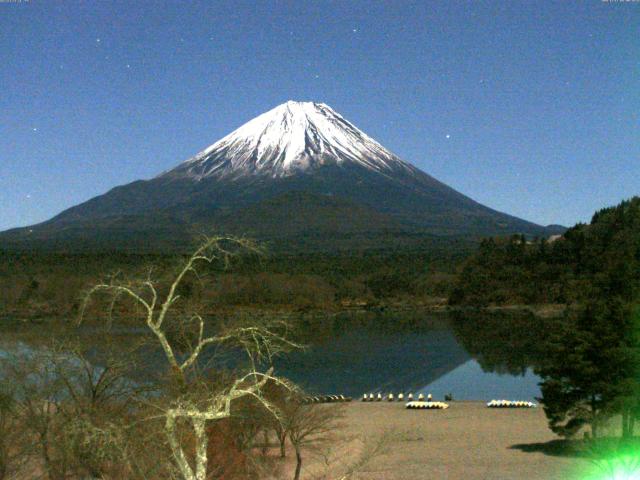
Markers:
391,282
515,271
602,257
50,284
590,371
504,342
593,369
591,366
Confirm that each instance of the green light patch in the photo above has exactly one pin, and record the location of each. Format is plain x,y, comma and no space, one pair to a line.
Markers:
620,466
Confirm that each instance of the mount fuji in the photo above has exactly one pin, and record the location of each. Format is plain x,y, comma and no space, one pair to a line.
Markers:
297,175
295,137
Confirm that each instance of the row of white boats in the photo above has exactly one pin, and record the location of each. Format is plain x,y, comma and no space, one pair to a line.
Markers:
426,402
421,402
417,405
510,404
326,399
391,397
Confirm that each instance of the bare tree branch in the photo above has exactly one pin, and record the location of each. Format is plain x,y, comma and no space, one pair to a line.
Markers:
193,407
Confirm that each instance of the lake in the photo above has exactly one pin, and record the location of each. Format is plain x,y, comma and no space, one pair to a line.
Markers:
471,356
447,356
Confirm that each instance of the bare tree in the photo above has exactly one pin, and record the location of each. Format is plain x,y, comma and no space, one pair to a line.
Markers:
38,393
350,456
309,425
195,404
9,431
70,413
94,409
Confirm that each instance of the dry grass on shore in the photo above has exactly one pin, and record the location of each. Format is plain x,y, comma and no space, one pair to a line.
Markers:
467,442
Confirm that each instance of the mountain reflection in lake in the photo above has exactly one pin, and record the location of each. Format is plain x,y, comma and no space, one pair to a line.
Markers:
473,357
363,361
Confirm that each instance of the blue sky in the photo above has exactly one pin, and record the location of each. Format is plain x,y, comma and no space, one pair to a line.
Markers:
530,107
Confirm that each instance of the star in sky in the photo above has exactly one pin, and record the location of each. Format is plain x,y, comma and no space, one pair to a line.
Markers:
427,42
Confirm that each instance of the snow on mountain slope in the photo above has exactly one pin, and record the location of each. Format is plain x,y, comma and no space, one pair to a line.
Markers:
291,138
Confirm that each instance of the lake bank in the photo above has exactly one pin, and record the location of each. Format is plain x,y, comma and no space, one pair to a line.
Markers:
358,352
467,441
432,306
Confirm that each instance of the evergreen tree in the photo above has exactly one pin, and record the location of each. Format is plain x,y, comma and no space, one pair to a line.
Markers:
591,372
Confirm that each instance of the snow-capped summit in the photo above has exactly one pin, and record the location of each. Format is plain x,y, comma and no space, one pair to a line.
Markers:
291,138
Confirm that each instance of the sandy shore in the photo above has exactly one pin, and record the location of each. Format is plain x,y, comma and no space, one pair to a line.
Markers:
467,441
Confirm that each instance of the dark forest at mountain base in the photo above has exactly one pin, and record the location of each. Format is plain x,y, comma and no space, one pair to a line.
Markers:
51,284
571,269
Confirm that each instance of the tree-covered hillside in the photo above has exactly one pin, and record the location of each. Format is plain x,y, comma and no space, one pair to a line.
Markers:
604,254
588,359
49,284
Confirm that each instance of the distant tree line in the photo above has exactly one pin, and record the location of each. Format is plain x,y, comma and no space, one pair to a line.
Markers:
46,284
567,270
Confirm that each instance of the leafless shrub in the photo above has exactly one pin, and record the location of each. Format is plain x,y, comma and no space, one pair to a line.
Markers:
309,426
10,433
338,464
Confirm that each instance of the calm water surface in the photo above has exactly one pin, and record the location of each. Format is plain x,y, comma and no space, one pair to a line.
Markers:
471,357
436,359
